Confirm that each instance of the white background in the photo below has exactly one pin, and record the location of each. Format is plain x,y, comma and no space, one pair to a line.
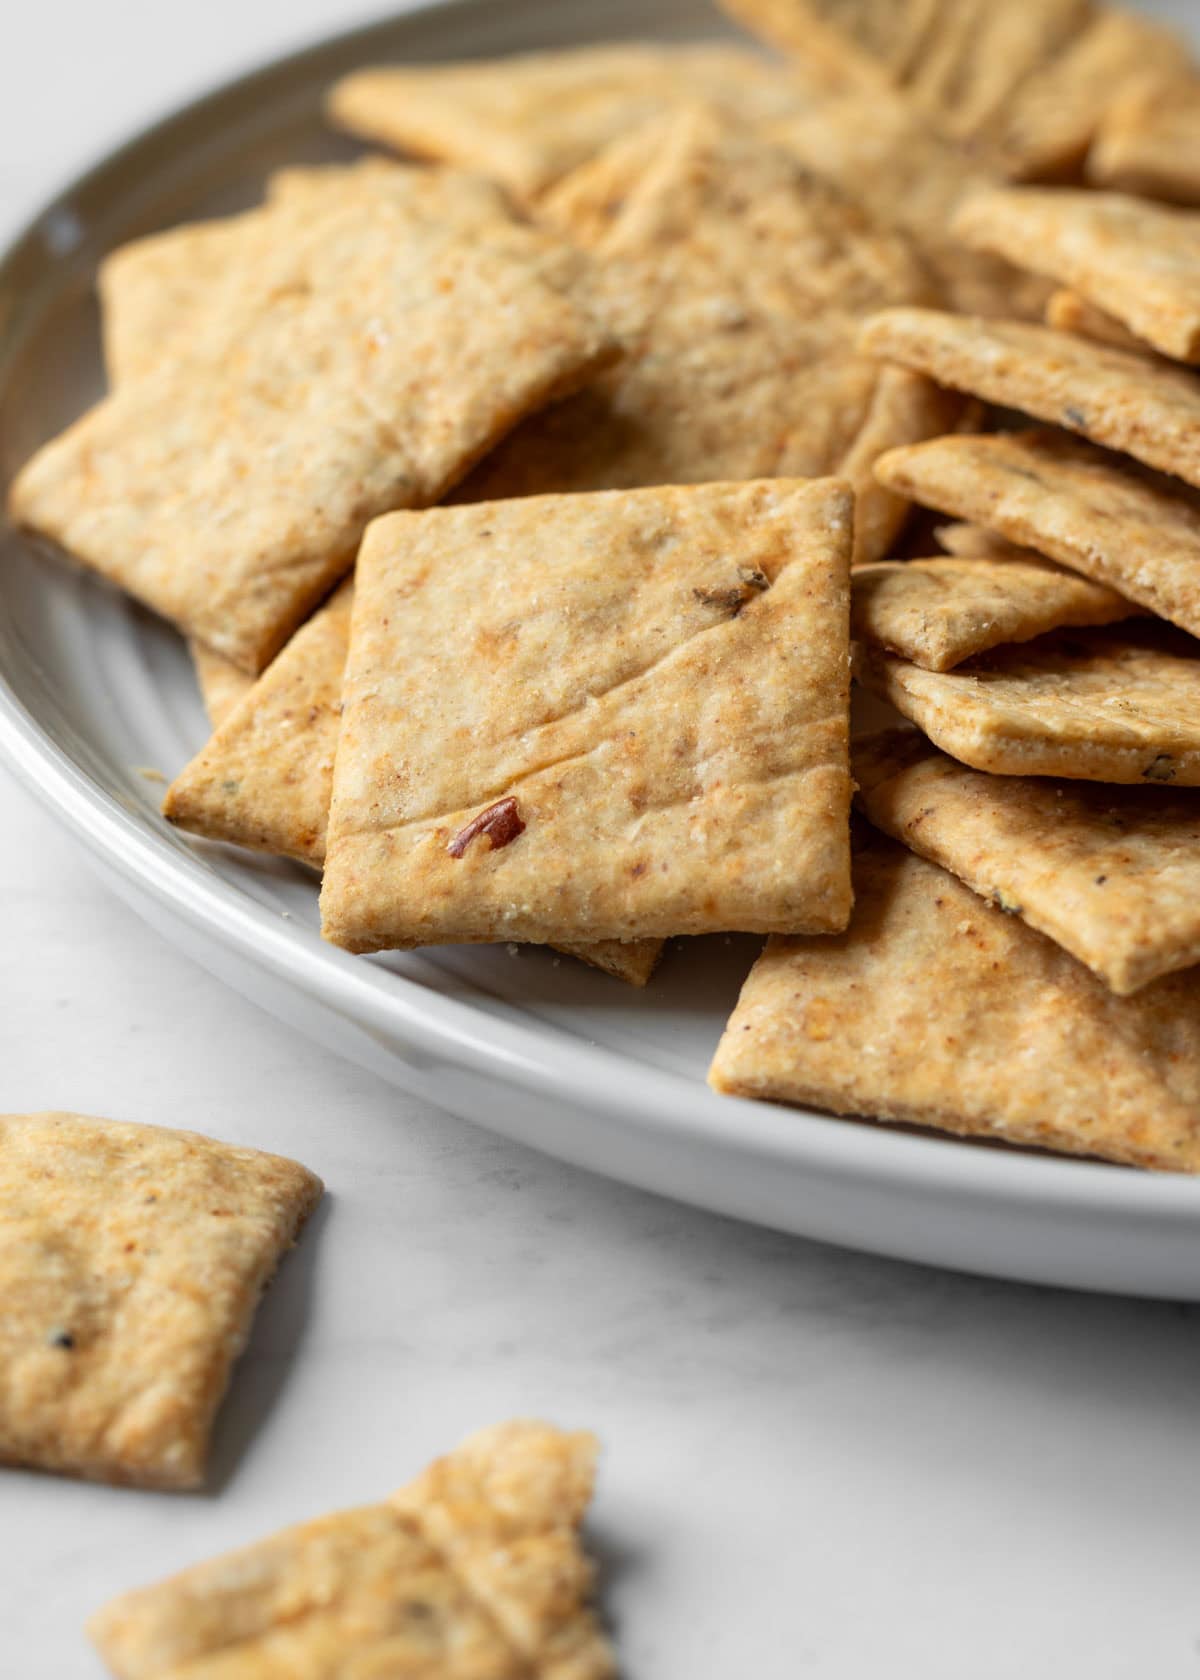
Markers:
815,1462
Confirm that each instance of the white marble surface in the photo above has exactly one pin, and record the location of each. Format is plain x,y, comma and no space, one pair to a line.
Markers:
815,1462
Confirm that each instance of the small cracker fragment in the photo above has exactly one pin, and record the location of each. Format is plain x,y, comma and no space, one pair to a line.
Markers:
596,716
1139,262
939,612
1129,403
1110,874
1093,705
936,1009
474,1572
529,120
1149,142
405,332
132,1259
1066,311
222,685
1084,508
974,542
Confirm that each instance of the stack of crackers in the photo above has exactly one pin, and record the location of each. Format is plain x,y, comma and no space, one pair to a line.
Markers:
526,496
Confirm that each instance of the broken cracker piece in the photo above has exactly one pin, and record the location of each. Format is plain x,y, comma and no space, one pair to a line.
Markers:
476,1569
1094,705
974,542
1110,874
657,681
936,1009
132,1259
1066,311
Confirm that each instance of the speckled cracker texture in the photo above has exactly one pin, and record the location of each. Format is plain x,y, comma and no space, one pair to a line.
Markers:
132,1259
1125,402
1082,507
938,612
1111,874
474,1572
592,717
1097,705
406,332
936,1009
735,280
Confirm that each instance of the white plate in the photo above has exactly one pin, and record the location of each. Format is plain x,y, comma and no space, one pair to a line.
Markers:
93,691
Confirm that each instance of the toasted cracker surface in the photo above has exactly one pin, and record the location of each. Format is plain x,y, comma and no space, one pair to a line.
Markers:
976,542
1110,874
222,685
734,279
474,1572
1082,507
1066,311
938,1010
1139,262
938,612
594,717
1097,705
1149,142
1125,402
132,1259
229,491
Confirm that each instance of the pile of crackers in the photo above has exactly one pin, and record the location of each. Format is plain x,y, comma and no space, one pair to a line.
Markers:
528,492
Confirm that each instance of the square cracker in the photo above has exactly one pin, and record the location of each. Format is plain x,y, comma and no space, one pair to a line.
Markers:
476,1570
938,612
132,1259
936,1009
1139,262
265,779
735,280
531,119
1111,874
1094,705
1149,141
406,331
1079,506
1126,402
594,717
1066,311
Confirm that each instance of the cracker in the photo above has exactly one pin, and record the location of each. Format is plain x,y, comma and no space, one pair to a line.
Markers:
229,492
222,685
1110,874
1126,402
1097,705
735,280
132,1259
596,717
938,612
1139,262
936,1009
1071,502
1149,142
974,542
475,1570
1068,312
529,120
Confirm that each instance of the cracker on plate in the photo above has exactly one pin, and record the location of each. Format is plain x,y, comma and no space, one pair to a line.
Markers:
1066,311
1129,403
1079,506
222,684
1137,261
1097,705
229,491
1149,141
938,612
1111,874
597,716
132,1259
936,1009
474,1570
528,120
735,280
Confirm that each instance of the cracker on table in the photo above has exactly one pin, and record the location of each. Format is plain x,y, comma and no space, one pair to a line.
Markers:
1111,874
475,1570
132,1259
229,492
1149,142
597,716
939,612
734,279
1066,311
1095,705
1076,504
528,120
1129,403
936,1009
1137,261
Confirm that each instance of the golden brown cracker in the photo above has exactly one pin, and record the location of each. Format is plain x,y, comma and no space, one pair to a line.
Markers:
1066,311
1149,141
222,685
